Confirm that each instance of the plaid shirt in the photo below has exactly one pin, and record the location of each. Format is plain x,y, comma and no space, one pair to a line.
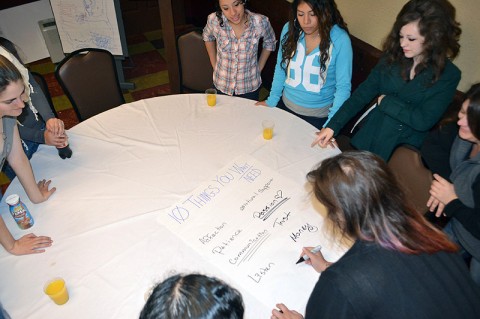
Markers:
236,71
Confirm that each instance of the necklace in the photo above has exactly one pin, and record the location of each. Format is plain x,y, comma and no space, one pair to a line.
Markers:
312,36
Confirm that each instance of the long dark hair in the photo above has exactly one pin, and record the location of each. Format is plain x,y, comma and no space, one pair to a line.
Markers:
193,296
473,111
218,10
327,14
8,73
436,22
364,201
10,47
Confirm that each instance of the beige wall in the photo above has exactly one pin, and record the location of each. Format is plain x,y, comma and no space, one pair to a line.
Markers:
371,20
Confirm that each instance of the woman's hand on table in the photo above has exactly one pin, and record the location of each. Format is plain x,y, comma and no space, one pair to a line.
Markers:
284,313
43,186
324,138
317,260
55,126
55,140
261,103
30,244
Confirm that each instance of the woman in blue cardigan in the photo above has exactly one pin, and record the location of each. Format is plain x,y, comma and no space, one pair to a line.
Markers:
314,64
413,83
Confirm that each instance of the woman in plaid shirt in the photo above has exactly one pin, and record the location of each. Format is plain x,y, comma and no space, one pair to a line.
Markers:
231,37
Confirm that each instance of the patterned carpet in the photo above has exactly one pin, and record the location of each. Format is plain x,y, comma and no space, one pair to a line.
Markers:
145,67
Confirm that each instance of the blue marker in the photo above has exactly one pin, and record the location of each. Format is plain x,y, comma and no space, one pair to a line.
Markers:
313,251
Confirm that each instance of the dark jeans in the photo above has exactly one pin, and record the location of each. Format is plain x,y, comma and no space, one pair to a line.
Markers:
3,313
315,121
32,148
471,261
251,95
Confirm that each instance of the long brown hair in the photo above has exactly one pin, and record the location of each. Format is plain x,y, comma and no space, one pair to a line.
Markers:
8,73
328,15
364,201
436,22
218,11
473,111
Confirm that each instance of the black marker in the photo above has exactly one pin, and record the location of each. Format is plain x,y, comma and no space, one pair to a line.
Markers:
313,251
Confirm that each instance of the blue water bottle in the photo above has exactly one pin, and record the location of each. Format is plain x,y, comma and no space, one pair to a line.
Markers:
19,212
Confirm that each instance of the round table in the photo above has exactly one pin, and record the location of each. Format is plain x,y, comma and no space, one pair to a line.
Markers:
128,163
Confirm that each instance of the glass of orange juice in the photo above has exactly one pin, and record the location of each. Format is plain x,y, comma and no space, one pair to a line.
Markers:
211,97
56,290
268,126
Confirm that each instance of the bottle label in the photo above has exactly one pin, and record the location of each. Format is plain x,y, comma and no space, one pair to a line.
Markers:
21,215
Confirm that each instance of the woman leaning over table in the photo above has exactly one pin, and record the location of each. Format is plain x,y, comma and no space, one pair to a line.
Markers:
13,92
414,81
400,266
37,123
460,199
231,37
314,65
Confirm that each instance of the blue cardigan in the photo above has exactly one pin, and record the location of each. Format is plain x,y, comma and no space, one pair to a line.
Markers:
301,82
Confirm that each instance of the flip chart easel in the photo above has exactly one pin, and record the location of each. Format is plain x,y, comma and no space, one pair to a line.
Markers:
92,24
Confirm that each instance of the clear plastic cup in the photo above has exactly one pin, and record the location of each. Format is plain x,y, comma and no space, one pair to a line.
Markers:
56,289
211,95
268,126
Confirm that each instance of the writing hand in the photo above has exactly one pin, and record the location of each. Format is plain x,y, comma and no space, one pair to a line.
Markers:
55,126
284,313
30,244
261,103
43,187
442,190
317,260
324,138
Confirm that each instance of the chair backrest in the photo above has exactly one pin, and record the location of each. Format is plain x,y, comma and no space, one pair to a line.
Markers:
406,163
44,86
196,72
90,80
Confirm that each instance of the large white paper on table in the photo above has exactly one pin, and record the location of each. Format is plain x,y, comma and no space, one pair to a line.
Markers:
252,223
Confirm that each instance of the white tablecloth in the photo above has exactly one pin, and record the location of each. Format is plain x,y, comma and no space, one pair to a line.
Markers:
128,163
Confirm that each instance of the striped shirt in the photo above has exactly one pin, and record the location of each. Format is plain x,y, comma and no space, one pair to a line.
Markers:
236,71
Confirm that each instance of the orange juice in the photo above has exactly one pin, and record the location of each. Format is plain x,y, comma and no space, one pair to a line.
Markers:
57,291
211,99
268,126
268,133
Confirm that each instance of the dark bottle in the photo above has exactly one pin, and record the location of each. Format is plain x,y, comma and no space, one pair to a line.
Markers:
65,152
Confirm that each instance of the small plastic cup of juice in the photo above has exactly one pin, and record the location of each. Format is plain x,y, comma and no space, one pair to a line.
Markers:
56,290
211,97
268,129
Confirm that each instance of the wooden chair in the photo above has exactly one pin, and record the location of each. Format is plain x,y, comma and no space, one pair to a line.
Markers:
90,80
407,166
196,72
